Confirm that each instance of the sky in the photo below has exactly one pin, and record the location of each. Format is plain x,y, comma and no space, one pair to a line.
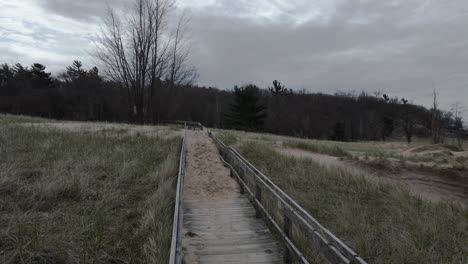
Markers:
404,48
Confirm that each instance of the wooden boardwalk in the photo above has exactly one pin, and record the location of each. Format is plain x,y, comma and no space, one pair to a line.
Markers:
219,223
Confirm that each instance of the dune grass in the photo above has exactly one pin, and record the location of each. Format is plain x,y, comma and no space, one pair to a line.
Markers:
327,147
386,156
384,223
70,197
316,147
16,119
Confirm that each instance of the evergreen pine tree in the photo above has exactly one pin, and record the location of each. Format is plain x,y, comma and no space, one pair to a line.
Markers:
247,112
40,78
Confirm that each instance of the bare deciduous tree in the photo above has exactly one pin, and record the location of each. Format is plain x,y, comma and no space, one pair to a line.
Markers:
458,125
134,49
179,71
436,123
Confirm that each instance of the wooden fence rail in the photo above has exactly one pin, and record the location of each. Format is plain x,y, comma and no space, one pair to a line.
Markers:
175,256
293,215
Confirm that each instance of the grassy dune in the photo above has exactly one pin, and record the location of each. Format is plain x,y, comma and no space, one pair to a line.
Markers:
66,197
18,119
327,149
383,222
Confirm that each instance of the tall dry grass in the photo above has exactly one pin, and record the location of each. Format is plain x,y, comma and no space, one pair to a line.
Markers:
321,148
85,198
383,222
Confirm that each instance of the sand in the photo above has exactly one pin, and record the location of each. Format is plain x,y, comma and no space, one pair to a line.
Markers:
429,186
206,176
206,180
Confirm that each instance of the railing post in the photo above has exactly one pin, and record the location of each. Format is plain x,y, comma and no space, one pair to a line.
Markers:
293,214
241,175
258,196
287,229
241,188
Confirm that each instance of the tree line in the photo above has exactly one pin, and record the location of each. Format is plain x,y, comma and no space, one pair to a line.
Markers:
345,117
147,78
83,94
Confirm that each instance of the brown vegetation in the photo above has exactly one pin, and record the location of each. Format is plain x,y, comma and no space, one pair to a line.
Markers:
84,197
380,219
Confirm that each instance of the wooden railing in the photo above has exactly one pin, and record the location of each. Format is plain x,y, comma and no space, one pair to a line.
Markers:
291,215
176,243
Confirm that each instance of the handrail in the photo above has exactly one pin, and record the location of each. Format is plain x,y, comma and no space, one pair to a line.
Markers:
335,250
346,251
290,247
175,256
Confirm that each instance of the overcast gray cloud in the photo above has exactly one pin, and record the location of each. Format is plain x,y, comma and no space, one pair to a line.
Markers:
400,47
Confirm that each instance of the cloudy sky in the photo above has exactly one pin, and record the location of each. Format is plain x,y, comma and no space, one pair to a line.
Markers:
401,47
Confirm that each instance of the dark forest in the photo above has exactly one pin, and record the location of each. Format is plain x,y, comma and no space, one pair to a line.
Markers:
84,95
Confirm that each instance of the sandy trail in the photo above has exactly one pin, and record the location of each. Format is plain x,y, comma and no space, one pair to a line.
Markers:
429,186
206,176
219,222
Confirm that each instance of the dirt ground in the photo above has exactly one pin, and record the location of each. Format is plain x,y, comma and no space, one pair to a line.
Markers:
428,185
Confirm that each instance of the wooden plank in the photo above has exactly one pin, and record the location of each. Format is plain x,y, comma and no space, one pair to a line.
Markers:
258,196
287,229
175,256
239,248
234,240
224,229
317,239
288,201
233,210
247,235
199,227
291,205
257,257
271,223
331,247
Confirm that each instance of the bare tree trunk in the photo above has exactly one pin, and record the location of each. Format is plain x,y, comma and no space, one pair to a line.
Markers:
134,52
179,72
435,120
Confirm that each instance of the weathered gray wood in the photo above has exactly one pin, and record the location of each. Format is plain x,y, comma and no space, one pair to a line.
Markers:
241,190
317,239
175,256
260,257
286,200
287,229
258,196
326,242
271,223
223,228
232,233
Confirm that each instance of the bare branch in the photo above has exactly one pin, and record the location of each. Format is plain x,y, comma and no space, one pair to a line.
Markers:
135,47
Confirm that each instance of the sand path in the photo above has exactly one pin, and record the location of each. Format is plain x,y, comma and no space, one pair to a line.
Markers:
219,222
